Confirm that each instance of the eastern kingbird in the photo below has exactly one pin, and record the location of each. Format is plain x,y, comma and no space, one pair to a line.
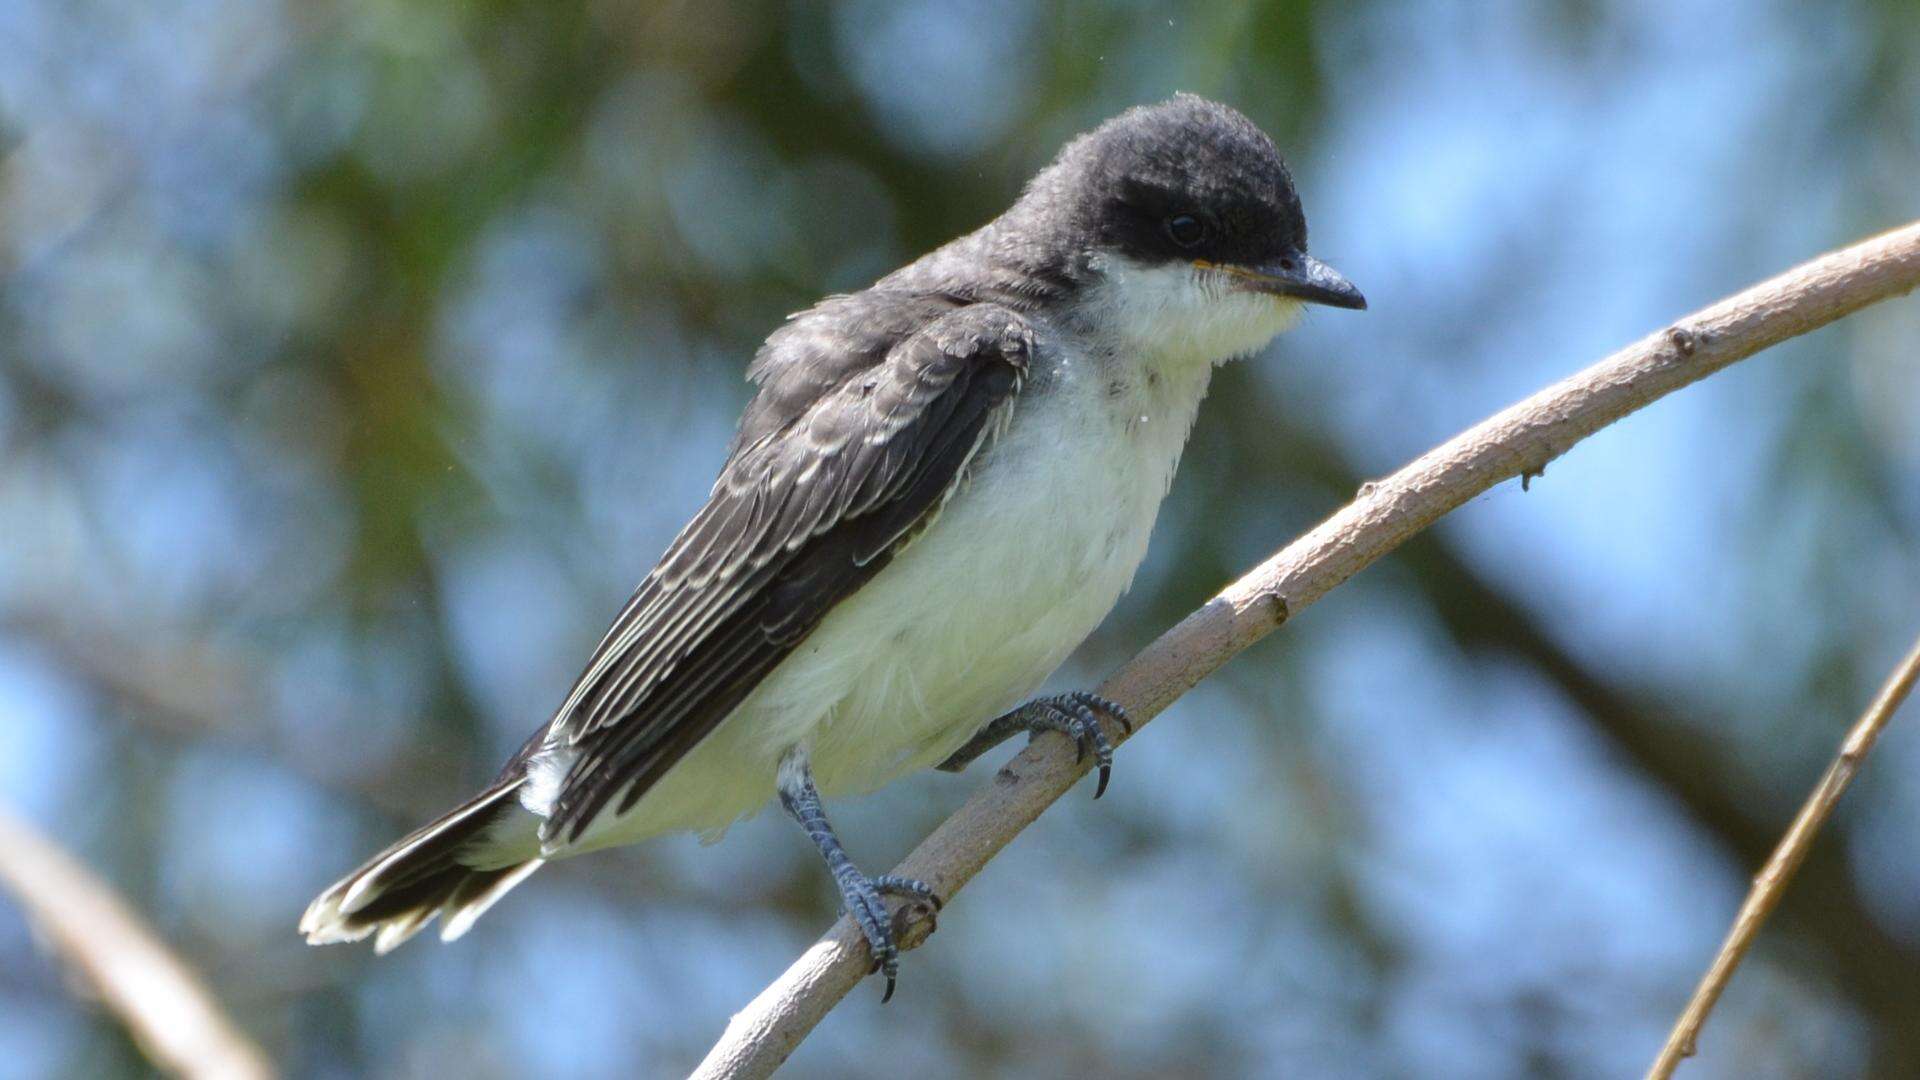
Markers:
940,487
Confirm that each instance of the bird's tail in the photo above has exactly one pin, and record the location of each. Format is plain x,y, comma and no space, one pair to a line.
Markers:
457,865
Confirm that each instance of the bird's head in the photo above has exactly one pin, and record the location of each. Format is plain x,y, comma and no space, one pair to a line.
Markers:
1184,221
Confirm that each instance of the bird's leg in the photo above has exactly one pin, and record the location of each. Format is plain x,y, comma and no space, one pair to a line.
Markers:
860,895
1071,714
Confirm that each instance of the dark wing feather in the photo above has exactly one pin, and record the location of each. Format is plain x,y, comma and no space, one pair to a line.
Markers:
870,408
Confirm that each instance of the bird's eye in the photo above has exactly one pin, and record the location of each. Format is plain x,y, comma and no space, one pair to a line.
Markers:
1186,230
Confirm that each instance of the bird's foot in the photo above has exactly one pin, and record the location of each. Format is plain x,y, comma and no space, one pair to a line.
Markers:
863,899
1073,714
861,895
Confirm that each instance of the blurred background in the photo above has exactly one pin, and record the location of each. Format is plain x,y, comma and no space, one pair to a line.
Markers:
358,357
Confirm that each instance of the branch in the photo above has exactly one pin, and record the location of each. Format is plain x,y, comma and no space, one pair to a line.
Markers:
1770,885
170,1014
1643,727
1518,442
1881,972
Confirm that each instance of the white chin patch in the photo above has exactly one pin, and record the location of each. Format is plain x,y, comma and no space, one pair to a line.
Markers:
1178,313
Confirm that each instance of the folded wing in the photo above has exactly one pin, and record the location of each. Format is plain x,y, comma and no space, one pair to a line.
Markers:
869,411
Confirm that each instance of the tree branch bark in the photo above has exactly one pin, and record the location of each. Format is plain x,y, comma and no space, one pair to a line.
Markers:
1770,884
1517,442
1878,971
172,1017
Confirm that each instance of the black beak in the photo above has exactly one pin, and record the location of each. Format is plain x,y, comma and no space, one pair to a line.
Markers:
1302,277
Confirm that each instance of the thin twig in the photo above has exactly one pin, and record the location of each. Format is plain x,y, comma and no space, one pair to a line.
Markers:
1677,752
1519,441
172,1017
1770,885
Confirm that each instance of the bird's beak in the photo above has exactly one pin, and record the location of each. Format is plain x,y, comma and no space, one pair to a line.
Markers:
1297,275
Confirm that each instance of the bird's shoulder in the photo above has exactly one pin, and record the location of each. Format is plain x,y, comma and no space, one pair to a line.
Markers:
869,340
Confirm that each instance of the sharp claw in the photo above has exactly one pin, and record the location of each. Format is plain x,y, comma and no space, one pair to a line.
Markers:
1075,715
880,927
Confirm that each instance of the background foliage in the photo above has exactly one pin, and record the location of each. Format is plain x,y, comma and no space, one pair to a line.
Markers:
357,357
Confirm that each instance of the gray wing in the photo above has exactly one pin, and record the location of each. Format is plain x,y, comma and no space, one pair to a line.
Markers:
870,408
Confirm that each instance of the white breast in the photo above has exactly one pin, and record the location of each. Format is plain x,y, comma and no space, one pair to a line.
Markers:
1022,566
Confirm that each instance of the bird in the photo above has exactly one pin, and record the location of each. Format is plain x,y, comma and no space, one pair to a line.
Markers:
940,486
